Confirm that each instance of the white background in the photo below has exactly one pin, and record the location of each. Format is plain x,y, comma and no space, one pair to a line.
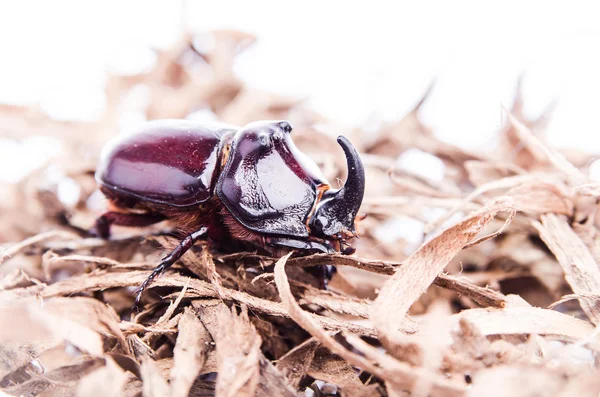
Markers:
357,61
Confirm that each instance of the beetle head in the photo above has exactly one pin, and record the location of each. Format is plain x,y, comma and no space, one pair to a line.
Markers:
259,138
335,214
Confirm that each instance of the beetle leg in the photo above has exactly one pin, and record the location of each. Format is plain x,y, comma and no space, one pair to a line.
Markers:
300,244
102,226
169,260
349,250
323,273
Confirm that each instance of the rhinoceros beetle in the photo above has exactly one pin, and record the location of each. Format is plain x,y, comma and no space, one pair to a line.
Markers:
248,187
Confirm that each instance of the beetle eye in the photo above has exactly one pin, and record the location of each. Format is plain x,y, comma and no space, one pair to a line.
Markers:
285,126
264,140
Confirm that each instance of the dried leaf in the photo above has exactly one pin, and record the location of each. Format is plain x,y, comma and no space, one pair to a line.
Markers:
102,280
580,268
272,382
80,321
555,158
107,381
238,350
15,279
333,369
154,384
379,364
526,382
588,189
190,354
15,249
61,381
421,269
16,355
295,364
530,320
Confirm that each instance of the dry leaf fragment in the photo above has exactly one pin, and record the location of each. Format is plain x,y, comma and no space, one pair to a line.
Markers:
81,336
530,320
50,261
517,382
419,186
482,172
107,381
101,280
537,146
238,350
372,359
333,369
541,197
578,264
272,382
531,381
336,302
172,307
297,361
588,189
511,182
80,321
154,385
483,296
420,269
15,279
60,381
139,348
213,276
16,248
373,265
89,312
190,353
469,340
16,355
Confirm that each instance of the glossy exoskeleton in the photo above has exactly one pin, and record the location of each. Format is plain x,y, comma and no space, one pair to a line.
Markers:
238,188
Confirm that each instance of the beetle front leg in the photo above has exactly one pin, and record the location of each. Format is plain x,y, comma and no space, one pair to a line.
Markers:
300,244
323,273
183,246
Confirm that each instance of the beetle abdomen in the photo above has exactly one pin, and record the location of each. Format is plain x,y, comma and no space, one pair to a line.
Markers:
169,161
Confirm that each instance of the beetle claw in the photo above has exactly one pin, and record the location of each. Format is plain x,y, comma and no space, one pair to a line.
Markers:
348,250
101,228
158,270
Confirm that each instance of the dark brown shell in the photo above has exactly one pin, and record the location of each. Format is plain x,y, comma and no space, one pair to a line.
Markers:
172,162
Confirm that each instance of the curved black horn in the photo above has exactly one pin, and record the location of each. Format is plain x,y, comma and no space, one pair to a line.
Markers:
338,210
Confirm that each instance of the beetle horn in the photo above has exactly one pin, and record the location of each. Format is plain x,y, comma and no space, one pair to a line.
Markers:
338,209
